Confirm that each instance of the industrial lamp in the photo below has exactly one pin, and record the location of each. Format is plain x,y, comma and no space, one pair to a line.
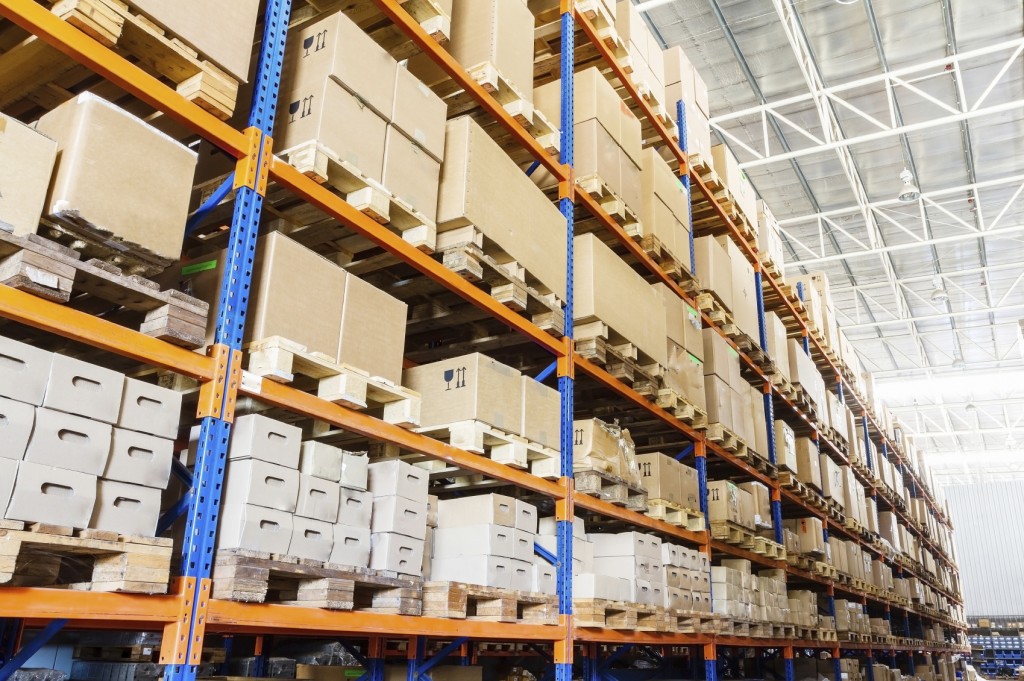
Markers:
938,294
909,191
959,363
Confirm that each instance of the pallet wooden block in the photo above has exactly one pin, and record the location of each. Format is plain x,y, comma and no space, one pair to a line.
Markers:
692,622
726,439
598,613
674,514
612,203
457,600
484,439
731,533
612,489
684,410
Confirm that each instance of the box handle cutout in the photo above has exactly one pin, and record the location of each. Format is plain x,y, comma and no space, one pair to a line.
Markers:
72,436
140,453
126,502
85,383
56,490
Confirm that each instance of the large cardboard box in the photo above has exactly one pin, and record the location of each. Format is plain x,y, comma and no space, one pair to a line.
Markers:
16,422
26,164
683,323
724,501
685,375
610,292
481,186
45,494
85,389
476,540
744,294
498,33
639,544
808,463
714,268
411,173
419,114
831,479
810,532
71,442
149,408
721,359
542,410
127,180
255,482
399,515
785,446
769,235
665,208
379,353
778,342
495,509
660,477
468,388
690,487
139,459
126,508
720,400
762,501
244,526
24,371
321,460
728,169
748,508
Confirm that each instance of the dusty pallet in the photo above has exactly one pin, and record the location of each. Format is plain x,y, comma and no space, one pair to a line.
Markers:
827,635
257,577
37,554
34,75
759,463
731,533
768,548
138,653
726,439
680,407
599,613
741,628
54,272
598,343
368,196
484,439
692,622
455,600
612,489
674,514
802,561
280,360
824,569
611,202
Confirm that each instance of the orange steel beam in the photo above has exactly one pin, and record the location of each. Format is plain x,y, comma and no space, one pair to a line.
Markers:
755,558
609,510
64,321
143,610
64,37
231,617
299,402
594,635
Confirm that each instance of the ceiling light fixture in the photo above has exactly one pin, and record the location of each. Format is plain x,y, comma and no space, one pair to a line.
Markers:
938,294
971,407
651,4
959,363
909,191
847,2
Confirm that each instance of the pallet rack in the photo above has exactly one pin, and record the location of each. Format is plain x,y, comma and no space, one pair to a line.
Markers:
187,613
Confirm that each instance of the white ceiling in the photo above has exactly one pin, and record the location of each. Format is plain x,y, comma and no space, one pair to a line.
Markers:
936,86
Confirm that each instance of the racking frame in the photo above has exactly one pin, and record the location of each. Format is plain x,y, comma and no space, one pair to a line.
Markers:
188,612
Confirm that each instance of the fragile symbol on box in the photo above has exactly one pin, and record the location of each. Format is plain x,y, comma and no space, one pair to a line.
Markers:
577,437
459,375
320,39
305,104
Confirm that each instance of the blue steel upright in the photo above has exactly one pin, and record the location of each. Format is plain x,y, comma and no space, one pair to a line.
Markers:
685,177
211,453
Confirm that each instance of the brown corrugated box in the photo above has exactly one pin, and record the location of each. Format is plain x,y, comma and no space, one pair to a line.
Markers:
720,400
778,346
609,290
481,186
723,501
27,164
665,205
807,462
660,476
381,350
728,169
684,374
419,113
714,269
496,32
595,446
120,174
542,409
471,387
593,98
410,173
721,359
743,301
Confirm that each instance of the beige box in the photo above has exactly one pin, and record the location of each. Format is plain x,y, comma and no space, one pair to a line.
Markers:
419,114
26,164
719,400
125,508
354,470
334,49
724,501
660,477
149,408
244,526
311,539
495,32
318,499
393,476
607,290
258,437
831,479
496,509
320,460
690,487
399,515
70,442
482,186
683,323
735,179
597,155
664,211
594,98
714,268
411,173
744,294
542,409
16,422
24,371
762,503
808,463
809,531
45,494
355,508
698,128
468,388
351,546
120,175
85,389
748,508
379,353
484,570
258,483
596,446
785,446
397,553
626,544
778,342
476,540
139,459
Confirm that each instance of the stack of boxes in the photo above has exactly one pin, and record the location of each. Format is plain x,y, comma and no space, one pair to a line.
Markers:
684,84
636,558
730,400
739,594
687,578
728,503
606,448
668,480
665,208
769,237
684,373
399,519
723,269
736,181
851,618
84,446
803,609
488,540
646,58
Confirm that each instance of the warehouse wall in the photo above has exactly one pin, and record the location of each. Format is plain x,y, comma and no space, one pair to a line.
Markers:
988,530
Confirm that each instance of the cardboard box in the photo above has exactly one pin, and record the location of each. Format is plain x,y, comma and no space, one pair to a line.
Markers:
149,408
810,533
599,446
484,570
67,441
665,209
689,485
126,508
318,499
831,479
785,446
396,552
496,509
85,389
420,115
660,476
16,422
399,515
724,501
744,293
736,180
545,580
633,568
714,268
244,526
808,463
334,50
778,342
476,540
258,437
355,508
258,483
541,419
24,175
607,290
526,517
411,173
139,459
604,587
393,476
721,359
719,400
468,388
748,508
320,460
761,501
8,474
24,371
354,470
120,175
481,186
311,539
498,33
594,98
682,322
379,354
351,546
45,494
626,544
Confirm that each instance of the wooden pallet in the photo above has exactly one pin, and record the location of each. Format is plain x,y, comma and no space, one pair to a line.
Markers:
455,600
599,613
49,270
706,219
759,463
612,489
710,304
37,554
600,344
676,267
280,360
726,439
496,444
824,569
674,514
768,548
827,635
749,346
692,622
731,533
35,76
785,388
611,202
138,653
680,407
257,577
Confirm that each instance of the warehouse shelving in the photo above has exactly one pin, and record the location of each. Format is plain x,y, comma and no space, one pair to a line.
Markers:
187,612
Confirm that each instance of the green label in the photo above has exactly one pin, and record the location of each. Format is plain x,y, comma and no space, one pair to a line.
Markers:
353,673
733,352
694,359
197,267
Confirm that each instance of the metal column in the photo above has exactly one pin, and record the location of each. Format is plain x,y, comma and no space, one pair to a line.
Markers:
684,176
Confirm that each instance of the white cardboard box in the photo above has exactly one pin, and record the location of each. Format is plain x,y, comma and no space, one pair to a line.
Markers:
495,509
150,408
243,526
8,474
493,571
393,476
45,494
545,581
320,460
626,544
318,499
523,545
592,585
354,470
85,389
16,421
522,575
399,515
139,458
257,482
396,552
355,508
351,546
476,540
126,508
312,539
629,567
526,517
24,371
257,437
68,441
